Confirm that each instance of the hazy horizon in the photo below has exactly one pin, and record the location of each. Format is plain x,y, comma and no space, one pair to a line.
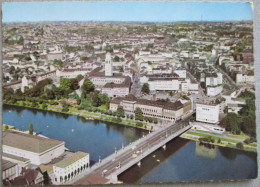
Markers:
127,11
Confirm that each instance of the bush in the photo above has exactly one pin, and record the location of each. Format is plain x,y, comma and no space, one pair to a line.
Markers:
240,145
139,124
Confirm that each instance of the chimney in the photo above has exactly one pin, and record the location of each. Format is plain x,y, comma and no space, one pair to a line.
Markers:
154,97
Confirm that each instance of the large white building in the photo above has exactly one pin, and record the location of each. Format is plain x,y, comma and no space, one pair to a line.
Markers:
37,149
70,167
163,84
208,113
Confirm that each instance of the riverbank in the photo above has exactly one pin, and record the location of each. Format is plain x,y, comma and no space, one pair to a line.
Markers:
218,141
91,116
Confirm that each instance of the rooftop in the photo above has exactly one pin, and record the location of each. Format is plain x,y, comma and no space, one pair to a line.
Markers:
28,142
70,160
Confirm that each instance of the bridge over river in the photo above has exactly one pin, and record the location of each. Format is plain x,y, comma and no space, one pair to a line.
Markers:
108,169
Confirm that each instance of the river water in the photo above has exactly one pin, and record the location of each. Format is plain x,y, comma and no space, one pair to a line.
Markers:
183,160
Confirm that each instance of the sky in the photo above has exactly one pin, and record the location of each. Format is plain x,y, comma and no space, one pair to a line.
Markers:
150,11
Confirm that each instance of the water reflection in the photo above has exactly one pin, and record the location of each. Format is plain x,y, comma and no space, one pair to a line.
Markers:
189,161
206,150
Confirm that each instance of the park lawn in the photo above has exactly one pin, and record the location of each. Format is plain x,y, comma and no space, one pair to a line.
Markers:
204,131
224,142
103,107
214,137
240,136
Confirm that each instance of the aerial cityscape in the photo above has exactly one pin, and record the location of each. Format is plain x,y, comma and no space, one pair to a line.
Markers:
111,98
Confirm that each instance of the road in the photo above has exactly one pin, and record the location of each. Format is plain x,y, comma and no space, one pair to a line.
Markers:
124,157
136,87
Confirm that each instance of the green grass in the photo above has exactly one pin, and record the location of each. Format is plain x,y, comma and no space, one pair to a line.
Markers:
204,131
214,137
230,143
241,136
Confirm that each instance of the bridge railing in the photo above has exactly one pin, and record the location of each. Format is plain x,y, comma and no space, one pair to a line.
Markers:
147,151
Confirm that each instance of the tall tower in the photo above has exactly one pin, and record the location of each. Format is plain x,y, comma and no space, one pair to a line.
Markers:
108,65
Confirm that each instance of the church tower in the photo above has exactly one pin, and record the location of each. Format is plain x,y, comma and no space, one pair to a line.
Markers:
108,65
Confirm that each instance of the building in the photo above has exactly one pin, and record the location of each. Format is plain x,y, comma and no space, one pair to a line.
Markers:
53,56
207,112
70,167
37,149
28,177
116,85
72,73
163,84
156,109
117,90
10,170
108,65
244,78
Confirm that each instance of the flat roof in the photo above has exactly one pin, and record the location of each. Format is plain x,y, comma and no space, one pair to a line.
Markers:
27,142
70,160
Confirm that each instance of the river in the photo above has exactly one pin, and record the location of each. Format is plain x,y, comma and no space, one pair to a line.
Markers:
183,160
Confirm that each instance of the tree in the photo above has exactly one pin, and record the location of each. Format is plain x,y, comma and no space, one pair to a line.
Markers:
145,88
116,59
95,100
240,145
230,123
74,84
120,112
139,114
31,129
65,84
5,127
121,69
65,107
44,106
88,87
79,77
139,124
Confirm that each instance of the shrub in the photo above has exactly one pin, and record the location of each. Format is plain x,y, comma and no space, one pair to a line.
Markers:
240,145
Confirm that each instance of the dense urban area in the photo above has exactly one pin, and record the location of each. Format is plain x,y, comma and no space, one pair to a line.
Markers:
153,76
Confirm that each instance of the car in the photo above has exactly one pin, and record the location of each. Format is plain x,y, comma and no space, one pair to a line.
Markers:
134,155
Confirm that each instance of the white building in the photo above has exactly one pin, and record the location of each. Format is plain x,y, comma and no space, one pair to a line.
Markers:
10,170
37,149
72,73
108,65
181,73
70,167
214,90
163,84
208,113
244,78
53,56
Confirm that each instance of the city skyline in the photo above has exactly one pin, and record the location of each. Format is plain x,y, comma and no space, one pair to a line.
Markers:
126,11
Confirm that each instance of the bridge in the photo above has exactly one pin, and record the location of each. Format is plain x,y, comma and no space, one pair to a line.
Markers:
108,169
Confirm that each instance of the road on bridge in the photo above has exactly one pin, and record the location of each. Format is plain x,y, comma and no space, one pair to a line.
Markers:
136,150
